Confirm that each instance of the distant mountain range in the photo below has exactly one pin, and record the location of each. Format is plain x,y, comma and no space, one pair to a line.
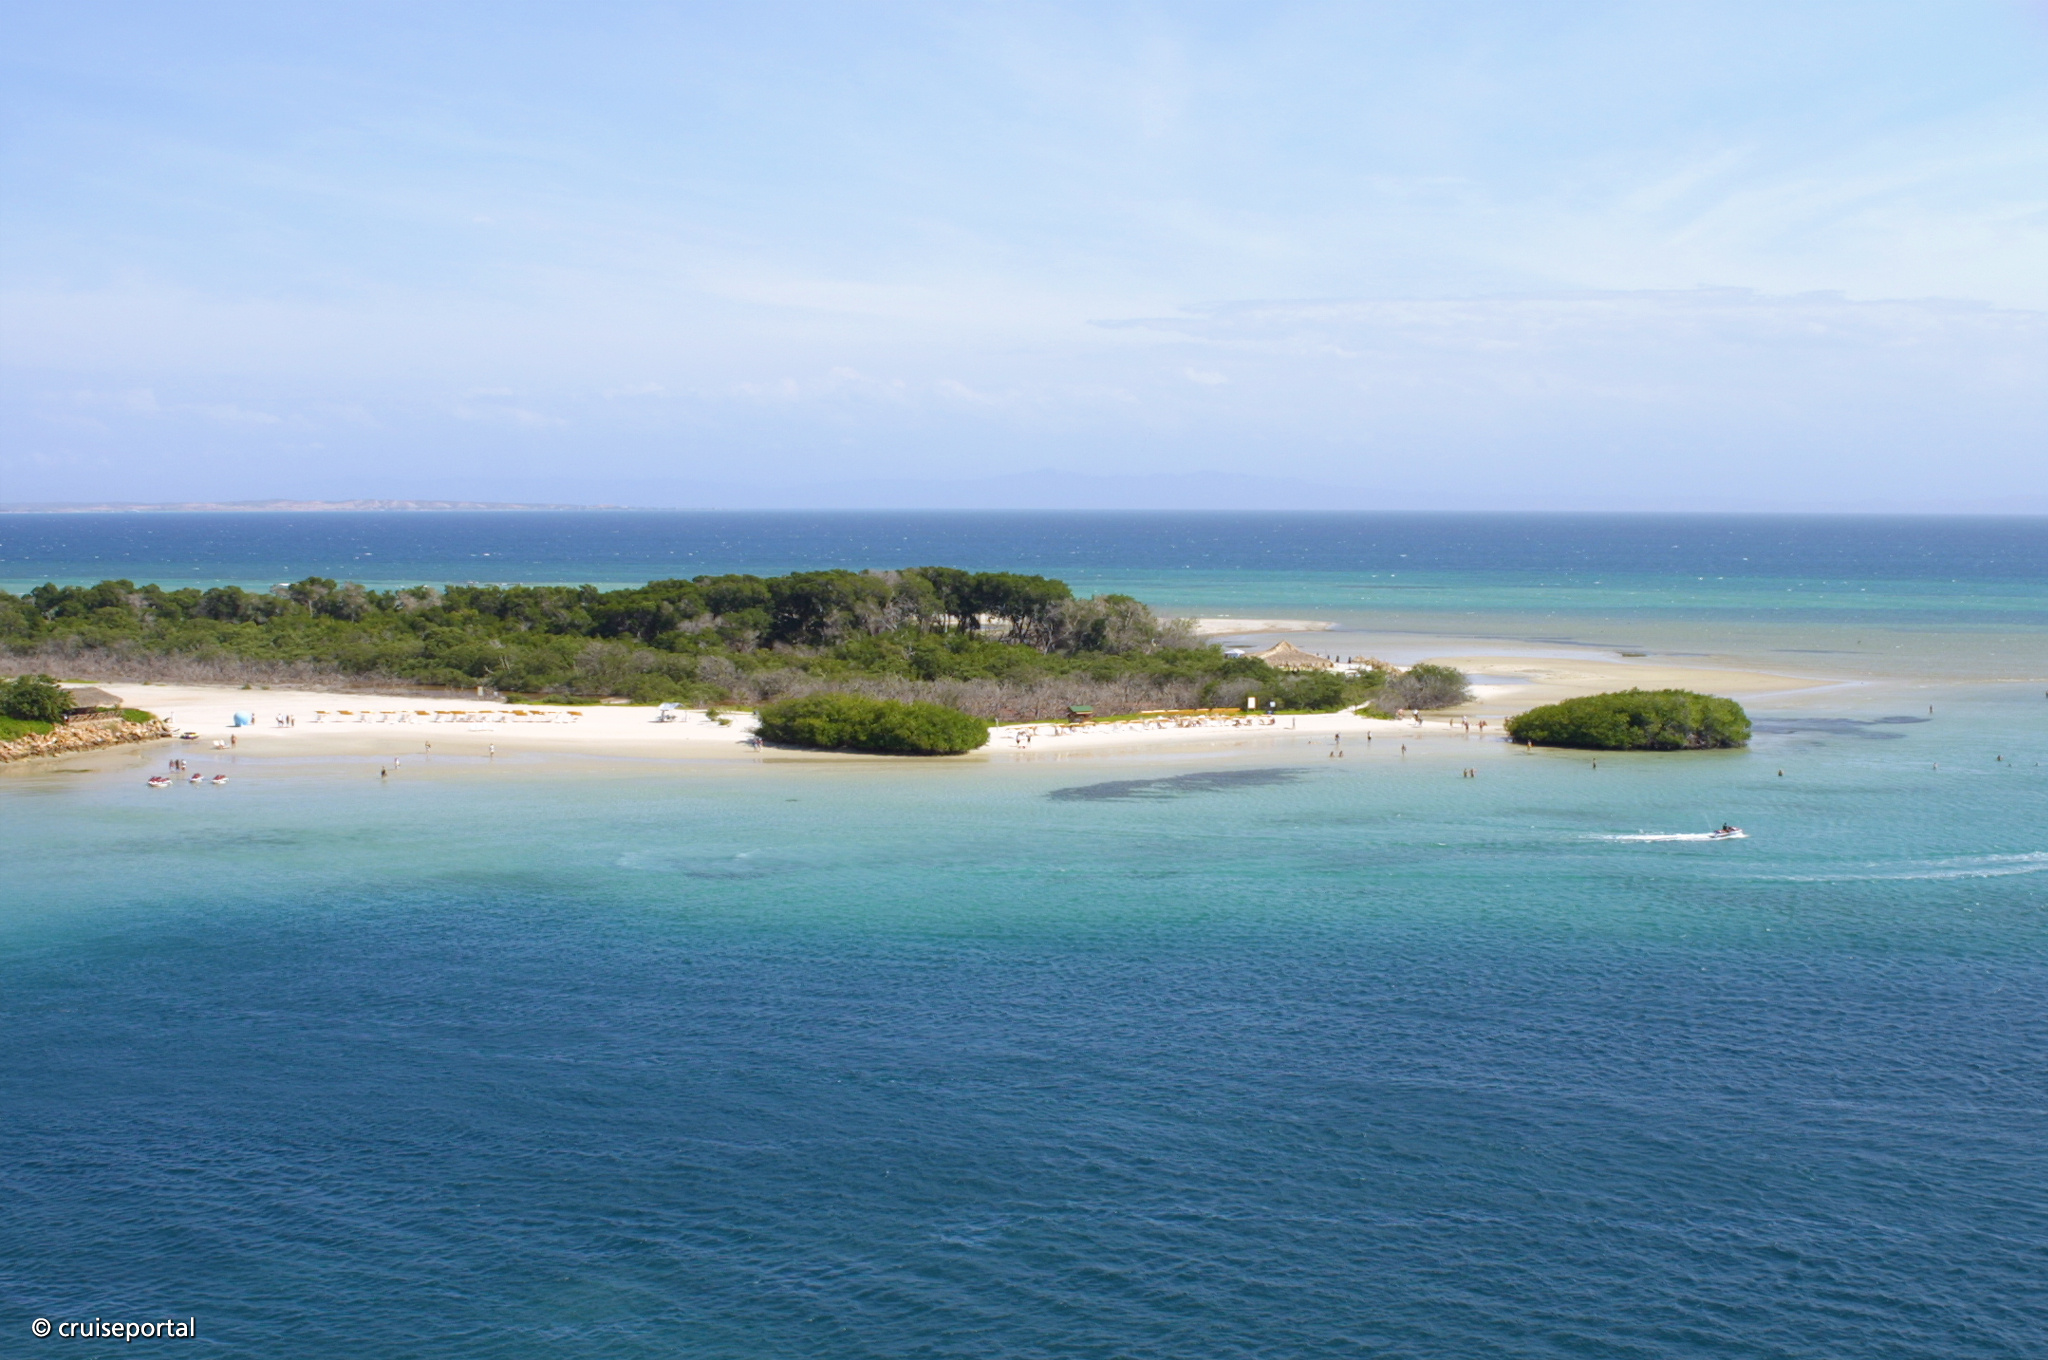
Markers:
259,507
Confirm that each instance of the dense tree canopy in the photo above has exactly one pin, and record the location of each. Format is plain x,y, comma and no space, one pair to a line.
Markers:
710,638
1427,685
996,643
853,722
34,698
1635,720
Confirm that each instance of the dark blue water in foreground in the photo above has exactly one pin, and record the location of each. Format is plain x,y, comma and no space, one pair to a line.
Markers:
1297,1059
1300,1058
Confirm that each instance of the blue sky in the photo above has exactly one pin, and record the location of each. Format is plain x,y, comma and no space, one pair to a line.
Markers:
1466,255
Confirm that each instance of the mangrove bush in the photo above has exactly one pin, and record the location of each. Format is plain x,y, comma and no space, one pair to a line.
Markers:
853,722
1635,720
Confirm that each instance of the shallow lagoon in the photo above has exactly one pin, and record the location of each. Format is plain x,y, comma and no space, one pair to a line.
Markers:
1244,1052
1247,1051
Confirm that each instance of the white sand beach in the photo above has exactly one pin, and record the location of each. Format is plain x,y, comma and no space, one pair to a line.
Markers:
308,722
1505,685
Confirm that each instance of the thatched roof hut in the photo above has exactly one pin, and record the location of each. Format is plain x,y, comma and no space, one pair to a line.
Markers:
1285,656
89,697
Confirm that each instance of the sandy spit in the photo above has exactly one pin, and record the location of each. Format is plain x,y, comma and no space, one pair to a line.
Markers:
308,722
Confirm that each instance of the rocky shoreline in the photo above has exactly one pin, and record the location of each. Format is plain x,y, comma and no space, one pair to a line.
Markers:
71,739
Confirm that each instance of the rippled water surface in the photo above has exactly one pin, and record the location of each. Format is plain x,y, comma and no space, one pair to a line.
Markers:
1254,1054
1248,1052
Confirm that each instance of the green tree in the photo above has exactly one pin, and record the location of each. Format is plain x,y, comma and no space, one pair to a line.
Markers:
954,591
1427,685
814,607
853,722
1635,720
34,698
1026,603
1102,623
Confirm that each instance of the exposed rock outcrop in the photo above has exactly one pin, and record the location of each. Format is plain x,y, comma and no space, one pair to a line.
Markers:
71,738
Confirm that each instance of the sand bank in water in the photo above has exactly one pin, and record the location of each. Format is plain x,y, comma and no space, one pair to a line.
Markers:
1229,627
326,723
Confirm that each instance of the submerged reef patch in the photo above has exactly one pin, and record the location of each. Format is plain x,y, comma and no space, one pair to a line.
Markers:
1174,786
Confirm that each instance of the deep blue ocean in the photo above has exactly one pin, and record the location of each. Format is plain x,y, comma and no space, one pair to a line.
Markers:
1239,1053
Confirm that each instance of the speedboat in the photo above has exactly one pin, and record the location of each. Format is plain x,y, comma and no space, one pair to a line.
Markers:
196,778
159,781
220,779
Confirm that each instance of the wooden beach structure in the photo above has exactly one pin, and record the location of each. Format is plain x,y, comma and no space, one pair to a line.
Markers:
89,704
1285,656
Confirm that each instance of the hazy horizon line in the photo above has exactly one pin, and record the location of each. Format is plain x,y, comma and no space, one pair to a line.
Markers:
384,506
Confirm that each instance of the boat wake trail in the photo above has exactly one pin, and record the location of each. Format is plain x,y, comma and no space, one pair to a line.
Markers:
1963,866
1680,836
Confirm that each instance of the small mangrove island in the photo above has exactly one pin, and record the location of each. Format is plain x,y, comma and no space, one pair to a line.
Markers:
1635,720
854,722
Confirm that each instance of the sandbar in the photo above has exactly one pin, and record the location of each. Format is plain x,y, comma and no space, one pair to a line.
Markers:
323,723
1230,627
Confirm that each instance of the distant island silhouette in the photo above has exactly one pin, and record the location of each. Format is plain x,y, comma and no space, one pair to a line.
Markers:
259,507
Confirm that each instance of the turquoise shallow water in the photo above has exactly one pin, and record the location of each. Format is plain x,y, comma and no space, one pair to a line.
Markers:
1083,1057
1241,1052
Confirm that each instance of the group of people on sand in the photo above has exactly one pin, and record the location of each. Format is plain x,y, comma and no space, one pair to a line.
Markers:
1415,716
1145,725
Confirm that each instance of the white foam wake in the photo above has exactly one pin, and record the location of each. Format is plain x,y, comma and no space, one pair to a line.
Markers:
1966,866
1678,836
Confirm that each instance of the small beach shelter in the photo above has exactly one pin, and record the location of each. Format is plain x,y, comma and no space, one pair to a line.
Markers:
1285,656
1081,712
88,697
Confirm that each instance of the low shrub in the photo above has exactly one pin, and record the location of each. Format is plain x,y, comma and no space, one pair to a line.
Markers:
34,698
11,728
137,715
1635,720
1426,685
852,722
1315,691
1305,692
